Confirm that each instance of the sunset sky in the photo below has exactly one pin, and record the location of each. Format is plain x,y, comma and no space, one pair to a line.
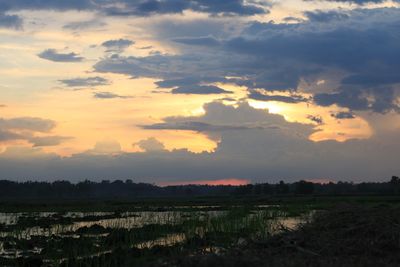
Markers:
180,91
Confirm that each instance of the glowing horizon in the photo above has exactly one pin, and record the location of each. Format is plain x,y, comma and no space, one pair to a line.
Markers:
229,181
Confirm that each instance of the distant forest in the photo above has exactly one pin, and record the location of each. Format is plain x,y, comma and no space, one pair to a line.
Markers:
129,190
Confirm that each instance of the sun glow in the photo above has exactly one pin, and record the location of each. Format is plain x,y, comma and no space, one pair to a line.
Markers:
271,106
229,181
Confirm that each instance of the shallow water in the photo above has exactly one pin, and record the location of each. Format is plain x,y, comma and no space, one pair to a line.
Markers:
68,224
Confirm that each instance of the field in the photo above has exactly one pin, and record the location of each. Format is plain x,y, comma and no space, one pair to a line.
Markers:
223,231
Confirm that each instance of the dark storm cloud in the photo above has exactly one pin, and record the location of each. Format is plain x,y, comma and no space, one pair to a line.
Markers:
47,4
201,41
383,77
223,7
118,45
293,19
169,29
176,71
85,82
277,57
151,66
81,25
315,118
53,55
237,7
188,80
360,2
280,98
109,95
200,90
344,47
357,2
377,99
343,115
156,6
10,21
139,7
325,16
347,98
356,49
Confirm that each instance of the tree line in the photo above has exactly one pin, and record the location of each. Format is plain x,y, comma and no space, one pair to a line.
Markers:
129,189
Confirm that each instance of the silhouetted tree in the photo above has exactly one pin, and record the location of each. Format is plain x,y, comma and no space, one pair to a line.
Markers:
129,189
282,188
395,182
304,187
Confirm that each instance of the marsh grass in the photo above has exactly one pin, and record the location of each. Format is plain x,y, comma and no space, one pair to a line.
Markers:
62,240
190,237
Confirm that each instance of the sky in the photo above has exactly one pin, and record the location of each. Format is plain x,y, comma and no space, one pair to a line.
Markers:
199,91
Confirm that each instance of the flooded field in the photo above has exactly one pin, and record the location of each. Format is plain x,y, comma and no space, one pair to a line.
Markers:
100,238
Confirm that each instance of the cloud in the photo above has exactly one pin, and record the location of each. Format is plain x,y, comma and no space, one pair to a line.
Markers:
360,2
150,7
274,61
325,16
151,66
10,21
141,8
106,147
347,45
19,153
189,81
85,82
191,126
117,45
27,123
317,119
53,55
6,135
83,25
200,90
41,141
26,128
279,98
150,144
257,154
109,95
377,99
170,29
61,5
371,79
202,41
343,115
221,118
279,57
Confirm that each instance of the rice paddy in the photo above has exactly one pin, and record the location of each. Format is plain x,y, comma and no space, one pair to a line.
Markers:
56,238
167,234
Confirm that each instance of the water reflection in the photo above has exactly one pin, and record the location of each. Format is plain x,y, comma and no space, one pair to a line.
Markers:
17,227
